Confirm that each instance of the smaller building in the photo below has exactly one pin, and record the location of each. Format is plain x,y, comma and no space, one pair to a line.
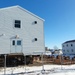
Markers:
58,52
68,47
48,53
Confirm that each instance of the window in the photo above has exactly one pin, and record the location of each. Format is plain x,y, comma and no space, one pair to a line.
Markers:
63,50
19,42
67,50
35,39
72,50
35,22
71,44
17,24
67,45
13,42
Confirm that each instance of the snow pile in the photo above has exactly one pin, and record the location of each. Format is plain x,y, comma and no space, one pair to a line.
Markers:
40,70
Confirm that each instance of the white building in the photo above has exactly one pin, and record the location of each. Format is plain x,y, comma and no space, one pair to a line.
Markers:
21,31
68,47
58,52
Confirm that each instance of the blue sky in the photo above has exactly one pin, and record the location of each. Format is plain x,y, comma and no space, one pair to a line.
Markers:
59,18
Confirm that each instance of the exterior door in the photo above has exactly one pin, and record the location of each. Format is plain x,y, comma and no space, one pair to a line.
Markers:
16,46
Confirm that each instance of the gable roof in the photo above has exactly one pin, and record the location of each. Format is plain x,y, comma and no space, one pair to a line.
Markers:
17,6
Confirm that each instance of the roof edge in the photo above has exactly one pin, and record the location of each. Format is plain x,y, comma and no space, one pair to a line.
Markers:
23,10
68,41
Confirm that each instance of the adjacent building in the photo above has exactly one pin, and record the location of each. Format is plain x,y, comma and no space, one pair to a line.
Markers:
68,47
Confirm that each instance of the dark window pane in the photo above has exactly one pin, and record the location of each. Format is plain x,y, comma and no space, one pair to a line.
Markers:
19,42
35,39
13,42
35,22
67,45
71,44
17,24
17,21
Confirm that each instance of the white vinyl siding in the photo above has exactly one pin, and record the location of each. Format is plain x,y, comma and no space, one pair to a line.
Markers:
27,32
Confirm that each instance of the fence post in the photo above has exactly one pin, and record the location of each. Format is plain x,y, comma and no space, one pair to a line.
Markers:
5,65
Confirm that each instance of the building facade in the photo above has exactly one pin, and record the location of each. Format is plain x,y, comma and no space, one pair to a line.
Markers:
21,31
68,47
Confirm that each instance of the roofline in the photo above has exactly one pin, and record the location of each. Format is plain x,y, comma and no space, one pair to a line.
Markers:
23,10
68,41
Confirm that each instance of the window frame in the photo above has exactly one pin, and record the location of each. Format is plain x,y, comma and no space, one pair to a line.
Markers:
13,42
67,50
17,24
71,45
19,44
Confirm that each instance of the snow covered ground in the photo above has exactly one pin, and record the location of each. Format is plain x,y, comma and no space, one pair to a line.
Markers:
38,70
